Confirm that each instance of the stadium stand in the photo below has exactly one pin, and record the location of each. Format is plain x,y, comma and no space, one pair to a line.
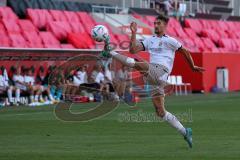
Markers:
220,35
50,20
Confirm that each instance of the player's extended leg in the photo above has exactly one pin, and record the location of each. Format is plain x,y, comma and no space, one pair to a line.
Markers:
130,62
158,101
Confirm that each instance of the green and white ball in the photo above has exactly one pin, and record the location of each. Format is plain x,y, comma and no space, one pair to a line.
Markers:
100,33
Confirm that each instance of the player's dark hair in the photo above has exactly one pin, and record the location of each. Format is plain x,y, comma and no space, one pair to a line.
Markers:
163,18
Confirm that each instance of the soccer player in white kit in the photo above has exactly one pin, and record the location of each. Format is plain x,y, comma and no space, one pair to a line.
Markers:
161,48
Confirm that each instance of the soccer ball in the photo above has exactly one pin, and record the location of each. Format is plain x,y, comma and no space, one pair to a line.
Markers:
100,33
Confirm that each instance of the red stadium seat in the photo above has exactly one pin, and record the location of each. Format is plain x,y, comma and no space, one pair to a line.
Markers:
67,46
5,41
58,15
60,29
11,26
71,16
2,30
52,46
18,41
151,19
233,34
209,45
40,18
27,25
214,24
122,40
237,42
223,50
205,24
88,27
171,31
7,13
81,40
49,40
190,32
87,21
223,25
229,44
174,23
210,33
137,16
225,43
194,24
33,39
189,44
215,50
77,27
84,17
222,33
122,37
234,45
199,43
114,38
145,19
77,41
180,33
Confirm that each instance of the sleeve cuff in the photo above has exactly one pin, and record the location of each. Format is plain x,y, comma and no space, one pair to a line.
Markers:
143,46
179,48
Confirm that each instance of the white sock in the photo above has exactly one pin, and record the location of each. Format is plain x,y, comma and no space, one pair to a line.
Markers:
174,122
9,92
41,97
130,62
18,95
32,98
51,97
36,98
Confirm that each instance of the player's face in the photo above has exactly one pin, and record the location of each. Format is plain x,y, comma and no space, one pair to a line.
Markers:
159,26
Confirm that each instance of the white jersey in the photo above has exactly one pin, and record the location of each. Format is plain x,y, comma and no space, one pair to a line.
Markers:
99,78
3,81
17,79
110,75
85,77
79,78
162,50
29,80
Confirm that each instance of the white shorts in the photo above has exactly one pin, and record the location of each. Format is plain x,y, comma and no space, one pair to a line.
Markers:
157,76
22,87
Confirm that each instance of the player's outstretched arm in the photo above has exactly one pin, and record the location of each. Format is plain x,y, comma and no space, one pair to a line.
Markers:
135,46
190,61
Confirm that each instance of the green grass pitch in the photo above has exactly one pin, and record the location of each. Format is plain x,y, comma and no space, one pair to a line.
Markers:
35,134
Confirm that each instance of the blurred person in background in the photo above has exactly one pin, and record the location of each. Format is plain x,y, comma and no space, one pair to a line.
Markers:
57,81
167,6
4,86
78,79
42,81
122,79
20,85
85,71
34,90
68,84
110,81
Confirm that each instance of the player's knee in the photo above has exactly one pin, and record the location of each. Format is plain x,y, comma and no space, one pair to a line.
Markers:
160,111
160,114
